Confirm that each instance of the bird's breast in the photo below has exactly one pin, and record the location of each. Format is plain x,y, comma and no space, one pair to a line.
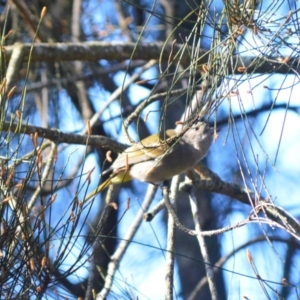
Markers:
166,166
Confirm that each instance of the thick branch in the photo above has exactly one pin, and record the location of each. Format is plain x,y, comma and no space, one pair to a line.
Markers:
94,51
59,137
211,182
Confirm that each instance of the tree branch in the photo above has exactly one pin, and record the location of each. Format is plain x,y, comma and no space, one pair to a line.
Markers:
59,137
211,182
94,51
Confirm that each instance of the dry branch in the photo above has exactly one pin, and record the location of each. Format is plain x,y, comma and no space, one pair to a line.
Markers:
94,51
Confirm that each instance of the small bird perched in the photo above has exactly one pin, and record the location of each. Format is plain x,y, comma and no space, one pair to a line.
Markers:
155,160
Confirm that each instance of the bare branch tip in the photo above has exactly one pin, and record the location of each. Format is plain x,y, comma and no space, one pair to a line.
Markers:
108,156
53,198
32,264
242,69
44,262
128,204
88,178
11,92
43,12
114,205
205,68
10,32
249,257
88,126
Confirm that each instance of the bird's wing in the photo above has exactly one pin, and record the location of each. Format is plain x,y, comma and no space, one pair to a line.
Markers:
139,152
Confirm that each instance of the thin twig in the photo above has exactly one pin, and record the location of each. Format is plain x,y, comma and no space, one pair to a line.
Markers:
119,91
170,255
148,216
43,179
208,266
117,256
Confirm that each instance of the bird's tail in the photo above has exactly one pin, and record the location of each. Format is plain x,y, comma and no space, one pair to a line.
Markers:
113,179
99,189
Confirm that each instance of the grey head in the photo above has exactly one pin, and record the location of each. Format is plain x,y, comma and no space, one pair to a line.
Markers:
200,136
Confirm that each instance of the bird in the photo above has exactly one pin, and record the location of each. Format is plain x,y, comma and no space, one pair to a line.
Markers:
156,159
